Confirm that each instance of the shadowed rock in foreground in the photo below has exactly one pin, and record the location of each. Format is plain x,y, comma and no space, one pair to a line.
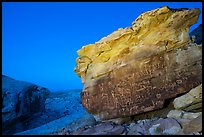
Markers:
20,101
154,126
63,115
28,109
134,70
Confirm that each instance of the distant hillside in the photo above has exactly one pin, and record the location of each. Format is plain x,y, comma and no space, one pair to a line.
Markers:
198,34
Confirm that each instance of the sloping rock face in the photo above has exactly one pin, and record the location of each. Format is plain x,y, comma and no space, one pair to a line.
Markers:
20,100
134,70
57,106
63,115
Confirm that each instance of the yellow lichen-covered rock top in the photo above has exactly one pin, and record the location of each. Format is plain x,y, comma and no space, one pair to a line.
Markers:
151,33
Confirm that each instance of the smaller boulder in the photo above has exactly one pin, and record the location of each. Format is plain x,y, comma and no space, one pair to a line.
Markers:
195,125
104,128
182,114
167,126
190,101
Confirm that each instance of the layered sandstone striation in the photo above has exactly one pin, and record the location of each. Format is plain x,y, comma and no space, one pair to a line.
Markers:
134,70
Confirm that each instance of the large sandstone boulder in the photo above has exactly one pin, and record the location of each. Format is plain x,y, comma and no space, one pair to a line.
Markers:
20,100
134,70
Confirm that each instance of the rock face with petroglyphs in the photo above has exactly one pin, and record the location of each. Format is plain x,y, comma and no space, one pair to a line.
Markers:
134,70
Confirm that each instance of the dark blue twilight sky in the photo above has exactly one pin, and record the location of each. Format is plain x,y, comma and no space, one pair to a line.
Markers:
40,40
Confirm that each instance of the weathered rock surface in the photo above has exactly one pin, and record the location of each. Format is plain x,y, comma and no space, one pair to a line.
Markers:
154,126
107,128
196,35
168,126
195,125
159,126
161,113
191,101
141,127
134,70
20,100
183,114
187,123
